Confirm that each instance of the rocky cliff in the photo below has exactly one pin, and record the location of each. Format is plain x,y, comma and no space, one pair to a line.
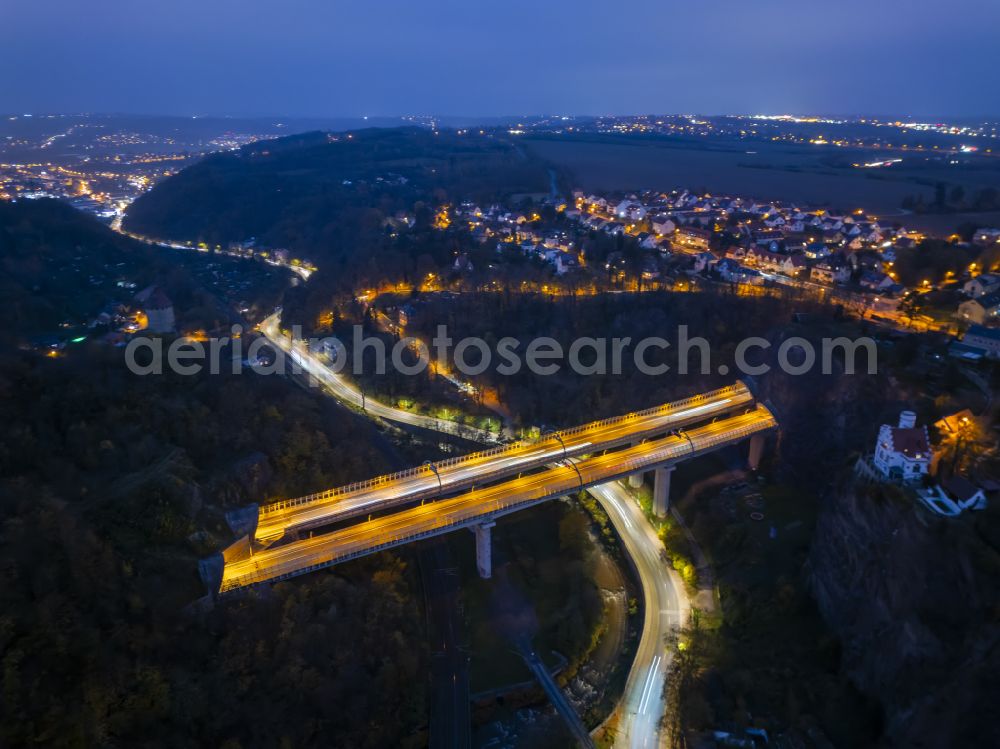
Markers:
914,600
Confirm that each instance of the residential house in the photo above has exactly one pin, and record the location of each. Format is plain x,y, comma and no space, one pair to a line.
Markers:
830,272
732,272
629,209
954,425
775,262
967,495
558,240
693,237
704,261
736,252
767,235
871,235
770,245
981,285
874,280
564,262
953,496
793,265
981,310
648,241
817,250
867,260
984,340
663,226
758,256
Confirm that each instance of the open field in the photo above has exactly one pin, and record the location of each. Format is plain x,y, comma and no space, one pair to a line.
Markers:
794,173
945,223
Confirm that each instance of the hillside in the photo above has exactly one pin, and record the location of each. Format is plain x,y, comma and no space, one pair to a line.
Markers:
112,486
61,267
327,196
920,592
59,264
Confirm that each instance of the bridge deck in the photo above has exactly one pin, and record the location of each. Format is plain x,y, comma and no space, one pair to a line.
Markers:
482,505
323,508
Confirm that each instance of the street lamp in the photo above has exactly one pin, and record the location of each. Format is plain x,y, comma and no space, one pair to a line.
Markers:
685,435
436,473
566,459
553,433
577,469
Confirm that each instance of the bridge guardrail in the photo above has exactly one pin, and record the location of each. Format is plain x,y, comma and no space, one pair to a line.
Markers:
687,446
379,481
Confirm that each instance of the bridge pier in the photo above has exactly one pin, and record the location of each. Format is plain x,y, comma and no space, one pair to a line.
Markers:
661,491
756,450
484,550
635,479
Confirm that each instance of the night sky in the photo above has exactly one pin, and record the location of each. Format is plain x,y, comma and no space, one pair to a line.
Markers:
476,57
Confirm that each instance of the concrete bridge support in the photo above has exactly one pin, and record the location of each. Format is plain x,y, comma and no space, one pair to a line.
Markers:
635,479
661,491
756,450
484,550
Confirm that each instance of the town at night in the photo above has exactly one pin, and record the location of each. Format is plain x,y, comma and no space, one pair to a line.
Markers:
538,376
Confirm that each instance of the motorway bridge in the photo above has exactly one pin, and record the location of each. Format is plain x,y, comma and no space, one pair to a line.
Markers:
284,518
473,491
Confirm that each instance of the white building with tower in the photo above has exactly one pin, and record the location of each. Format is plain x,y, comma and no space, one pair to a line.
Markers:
903,452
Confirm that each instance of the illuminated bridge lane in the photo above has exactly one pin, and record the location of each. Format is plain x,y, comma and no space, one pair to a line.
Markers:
482,505
277,519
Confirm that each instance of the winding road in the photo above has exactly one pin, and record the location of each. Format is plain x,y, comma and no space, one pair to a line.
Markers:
347,392
665,609
665,603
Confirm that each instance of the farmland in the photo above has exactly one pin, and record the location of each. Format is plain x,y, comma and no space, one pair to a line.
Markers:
821,176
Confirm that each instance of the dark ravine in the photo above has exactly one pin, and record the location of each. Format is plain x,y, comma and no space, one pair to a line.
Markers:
914,601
